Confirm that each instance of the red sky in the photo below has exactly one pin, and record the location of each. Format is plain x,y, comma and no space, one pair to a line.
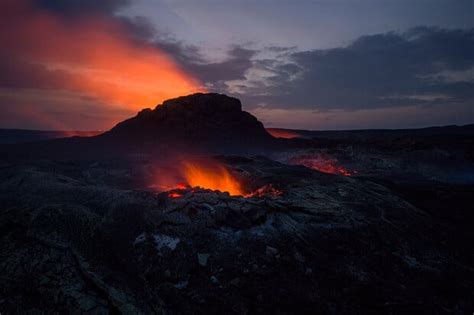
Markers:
59,64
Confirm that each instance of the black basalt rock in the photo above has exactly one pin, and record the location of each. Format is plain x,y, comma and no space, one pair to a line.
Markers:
214,122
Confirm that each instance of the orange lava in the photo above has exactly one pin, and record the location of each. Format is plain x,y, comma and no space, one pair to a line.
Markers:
175,195
211,176
322,163
188,176
266,190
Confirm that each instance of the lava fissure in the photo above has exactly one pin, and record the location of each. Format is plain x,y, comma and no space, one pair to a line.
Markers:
190,176
322,163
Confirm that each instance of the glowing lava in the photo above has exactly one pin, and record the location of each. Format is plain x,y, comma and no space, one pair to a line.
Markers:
175,195
266,190
211,176
183,175
322,163
189,176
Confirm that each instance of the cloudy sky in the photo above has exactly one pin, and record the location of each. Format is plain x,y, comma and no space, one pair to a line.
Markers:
308,64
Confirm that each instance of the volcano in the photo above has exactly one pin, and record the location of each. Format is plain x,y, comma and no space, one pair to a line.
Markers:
198,122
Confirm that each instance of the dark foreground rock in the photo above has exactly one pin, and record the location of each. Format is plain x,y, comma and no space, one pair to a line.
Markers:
76,237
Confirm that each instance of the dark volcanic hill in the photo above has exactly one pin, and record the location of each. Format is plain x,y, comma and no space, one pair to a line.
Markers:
205,120
203,123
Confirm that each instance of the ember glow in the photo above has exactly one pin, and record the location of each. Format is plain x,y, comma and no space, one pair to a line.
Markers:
322,163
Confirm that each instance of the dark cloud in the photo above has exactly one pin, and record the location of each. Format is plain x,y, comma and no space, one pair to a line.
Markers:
138,27
213,74
377,71
280,49
239,61
79,7
391,69
135,26
186,55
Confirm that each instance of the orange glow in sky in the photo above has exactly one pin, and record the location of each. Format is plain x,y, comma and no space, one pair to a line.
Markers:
94,56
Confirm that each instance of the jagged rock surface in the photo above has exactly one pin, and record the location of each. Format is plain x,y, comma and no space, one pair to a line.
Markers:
80,237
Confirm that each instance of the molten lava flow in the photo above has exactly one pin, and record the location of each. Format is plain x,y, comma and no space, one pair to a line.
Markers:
185,175
175,195
189,176
266,190
322,163
211,176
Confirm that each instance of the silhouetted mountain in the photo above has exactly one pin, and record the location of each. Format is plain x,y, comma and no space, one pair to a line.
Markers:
207,123
211,121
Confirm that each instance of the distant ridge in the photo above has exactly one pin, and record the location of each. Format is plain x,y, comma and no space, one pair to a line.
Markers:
211,121
361,134
11,136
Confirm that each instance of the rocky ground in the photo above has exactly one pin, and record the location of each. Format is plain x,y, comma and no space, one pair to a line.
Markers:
86,225
90,236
